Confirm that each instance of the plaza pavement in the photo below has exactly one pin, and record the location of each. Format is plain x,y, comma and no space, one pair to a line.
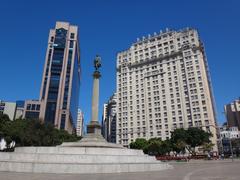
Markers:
193,170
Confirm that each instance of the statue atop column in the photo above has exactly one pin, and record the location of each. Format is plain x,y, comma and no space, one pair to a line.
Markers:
97,62
97,65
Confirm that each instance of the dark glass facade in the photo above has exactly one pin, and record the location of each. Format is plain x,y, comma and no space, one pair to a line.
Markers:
56,69
67,80
63,121
20,103
32,109
31,115
46,73
75,91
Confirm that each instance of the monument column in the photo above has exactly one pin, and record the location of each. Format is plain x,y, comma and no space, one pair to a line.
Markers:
94,126
95,96
94,138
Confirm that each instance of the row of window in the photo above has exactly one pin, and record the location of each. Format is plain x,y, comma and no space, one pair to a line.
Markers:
33,107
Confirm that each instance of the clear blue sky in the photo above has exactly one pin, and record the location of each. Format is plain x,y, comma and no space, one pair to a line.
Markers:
106,27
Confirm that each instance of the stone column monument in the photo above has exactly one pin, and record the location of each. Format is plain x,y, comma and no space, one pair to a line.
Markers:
94,127
94,138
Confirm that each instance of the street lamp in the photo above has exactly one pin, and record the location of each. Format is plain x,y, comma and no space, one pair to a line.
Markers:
230,143
228,139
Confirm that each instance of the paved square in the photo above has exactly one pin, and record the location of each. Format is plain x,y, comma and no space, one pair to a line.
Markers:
197,170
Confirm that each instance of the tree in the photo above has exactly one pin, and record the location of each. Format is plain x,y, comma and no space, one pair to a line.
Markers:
196,137
179,134
178,140
5,123
179,146
165,148
28,132
139,143
207,147
182,139
153,146
4,118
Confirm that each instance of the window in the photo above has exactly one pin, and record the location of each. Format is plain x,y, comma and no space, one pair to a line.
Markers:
63,118
38,107
71,44
52,38
28,106
33,107
72,35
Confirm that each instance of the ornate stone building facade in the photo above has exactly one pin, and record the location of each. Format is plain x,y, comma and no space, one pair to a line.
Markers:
163,83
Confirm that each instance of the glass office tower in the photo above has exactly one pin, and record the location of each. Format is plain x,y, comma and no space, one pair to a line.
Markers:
59,93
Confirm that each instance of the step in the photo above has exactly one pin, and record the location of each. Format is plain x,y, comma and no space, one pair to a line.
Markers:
73,158
82,168
78,150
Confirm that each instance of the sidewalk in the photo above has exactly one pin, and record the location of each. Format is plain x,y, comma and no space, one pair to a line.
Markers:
200,161
195,170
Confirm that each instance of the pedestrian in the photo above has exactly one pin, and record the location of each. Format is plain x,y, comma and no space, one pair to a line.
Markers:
222,156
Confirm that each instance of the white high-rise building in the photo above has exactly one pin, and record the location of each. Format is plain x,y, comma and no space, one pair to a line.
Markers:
163,83
80,121
104,121
109,119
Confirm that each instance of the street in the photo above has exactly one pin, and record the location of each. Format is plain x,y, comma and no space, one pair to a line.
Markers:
195,170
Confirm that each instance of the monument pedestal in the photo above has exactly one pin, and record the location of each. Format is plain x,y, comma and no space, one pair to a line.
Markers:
78,160
94,128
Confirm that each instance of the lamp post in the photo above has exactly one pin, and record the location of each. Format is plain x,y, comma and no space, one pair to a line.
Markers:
230,142
231,149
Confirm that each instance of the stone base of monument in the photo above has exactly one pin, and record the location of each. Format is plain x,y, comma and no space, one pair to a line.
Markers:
75,158
92,140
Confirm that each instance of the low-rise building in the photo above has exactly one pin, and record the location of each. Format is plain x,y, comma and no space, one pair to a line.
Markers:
227,136
232,112
32,109
8,108
229,133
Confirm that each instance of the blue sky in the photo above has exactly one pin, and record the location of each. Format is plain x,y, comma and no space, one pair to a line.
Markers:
109,26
